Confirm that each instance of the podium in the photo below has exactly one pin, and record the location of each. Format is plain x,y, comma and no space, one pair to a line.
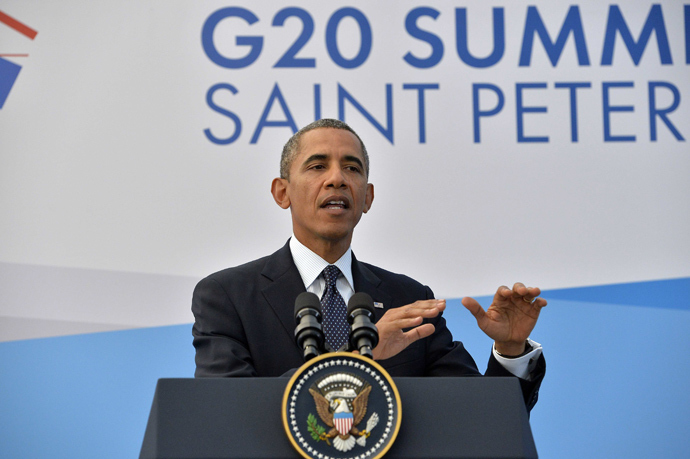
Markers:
219,418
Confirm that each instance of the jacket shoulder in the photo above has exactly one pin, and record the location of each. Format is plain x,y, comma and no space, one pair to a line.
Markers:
268,268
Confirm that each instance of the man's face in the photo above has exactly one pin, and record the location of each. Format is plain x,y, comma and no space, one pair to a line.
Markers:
327,190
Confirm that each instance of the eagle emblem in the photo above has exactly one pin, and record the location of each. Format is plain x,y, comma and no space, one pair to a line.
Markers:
341,405
341,401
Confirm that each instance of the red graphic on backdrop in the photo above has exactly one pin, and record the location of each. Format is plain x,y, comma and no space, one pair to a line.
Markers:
8,69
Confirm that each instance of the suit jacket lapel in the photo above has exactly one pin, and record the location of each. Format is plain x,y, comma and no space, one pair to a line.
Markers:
286,285
368,282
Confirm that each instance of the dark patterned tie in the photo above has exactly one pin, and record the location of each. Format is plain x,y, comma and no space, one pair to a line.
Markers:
334,310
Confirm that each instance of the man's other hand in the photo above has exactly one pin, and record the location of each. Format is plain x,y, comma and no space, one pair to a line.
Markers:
392,338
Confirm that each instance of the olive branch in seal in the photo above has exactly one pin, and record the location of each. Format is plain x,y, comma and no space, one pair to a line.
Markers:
317,431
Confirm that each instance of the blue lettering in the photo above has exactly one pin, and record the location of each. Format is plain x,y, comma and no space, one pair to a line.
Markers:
477,113
433,40
317,102
461,39
332,39
662,112
686,9
387,132
618,108
263,122
654,22
534,25
573,105
421,106
216,108
289,59
255,43
521,110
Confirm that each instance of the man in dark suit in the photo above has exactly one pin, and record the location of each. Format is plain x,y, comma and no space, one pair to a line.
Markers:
244,316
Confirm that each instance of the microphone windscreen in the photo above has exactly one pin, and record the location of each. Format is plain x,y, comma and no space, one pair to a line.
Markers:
360,300
307,300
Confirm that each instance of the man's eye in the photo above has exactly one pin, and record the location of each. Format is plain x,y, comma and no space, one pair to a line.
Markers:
353,168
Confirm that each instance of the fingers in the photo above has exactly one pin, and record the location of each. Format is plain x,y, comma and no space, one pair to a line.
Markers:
503,292
392,337
541,302
520,292
398,323
419,332
426,305
424,308
520,289
411,315
531,295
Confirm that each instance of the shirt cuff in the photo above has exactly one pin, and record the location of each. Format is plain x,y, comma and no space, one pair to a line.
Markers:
520,366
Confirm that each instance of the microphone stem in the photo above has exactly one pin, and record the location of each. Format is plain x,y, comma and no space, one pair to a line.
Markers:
310,352
366,351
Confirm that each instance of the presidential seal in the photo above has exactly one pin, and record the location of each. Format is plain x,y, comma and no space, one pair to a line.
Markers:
341,405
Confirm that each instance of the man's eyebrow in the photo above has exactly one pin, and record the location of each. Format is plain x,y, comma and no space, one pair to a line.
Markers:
354,159
315,157
322,157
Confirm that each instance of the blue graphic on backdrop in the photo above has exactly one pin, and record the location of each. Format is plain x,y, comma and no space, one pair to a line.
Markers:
8,75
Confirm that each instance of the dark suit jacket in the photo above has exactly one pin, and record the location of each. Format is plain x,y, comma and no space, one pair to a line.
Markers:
244,324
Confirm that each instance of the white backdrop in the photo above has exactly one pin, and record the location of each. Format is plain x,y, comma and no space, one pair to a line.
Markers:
105,166
114,201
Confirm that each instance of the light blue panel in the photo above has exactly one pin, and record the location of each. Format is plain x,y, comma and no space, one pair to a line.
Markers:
666,293
464,328
616,381
86,396
616,384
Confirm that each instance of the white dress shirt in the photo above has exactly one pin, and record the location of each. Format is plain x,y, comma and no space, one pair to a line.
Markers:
310,267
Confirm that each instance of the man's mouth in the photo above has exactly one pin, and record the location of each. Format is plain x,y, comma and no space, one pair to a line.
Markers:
335,204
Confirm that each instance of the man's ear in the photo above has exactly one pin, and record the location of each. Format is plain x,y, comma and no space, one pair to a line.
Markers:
279,192
369,197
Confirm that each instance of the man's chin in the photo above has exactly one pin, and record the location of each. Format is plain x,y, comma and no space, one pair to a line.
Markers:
337,235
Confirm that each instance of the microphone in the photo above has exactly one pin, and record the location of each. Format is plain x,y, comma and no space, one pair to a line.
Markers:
308,333
364,336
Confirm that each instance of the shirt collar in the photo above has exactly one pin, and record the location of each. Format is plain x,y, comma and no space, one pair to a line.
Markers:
310,265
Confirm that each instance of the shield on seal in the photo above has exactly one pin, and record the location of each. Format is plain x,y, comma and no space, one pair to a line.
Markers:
343,422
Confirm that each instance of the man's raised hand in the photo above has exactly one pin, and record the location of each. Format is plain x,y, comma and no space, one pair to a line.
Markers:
511,317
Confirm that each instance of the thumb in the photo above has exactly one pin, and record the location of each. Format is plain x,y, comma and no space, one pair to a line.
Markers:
473,306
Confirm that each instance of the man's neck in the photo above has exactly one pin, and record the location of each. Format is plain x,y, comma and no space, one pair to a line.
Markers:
331,251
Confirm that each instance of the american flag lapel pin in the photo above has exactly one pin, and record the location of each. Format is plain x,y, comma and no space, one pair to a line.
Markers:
378,305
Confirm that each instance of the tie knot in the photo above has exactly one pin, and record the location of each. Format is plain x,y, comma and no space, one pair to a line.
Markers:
330,274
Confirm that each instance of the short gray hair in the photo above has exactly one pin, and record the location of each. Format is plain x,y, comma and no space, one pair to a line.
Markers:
291,148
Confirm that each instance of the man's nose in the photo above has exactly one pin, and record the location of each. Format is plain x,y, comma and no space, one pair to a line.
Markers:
336,178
